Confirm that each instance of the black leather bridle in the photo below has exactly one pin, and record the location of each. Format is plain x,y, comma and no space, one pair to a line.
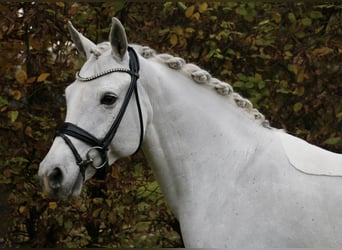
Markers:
101,145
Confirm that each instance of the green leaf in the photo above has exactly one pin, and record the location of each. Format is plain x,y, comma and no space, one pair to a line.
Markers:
297,107
316,14
13,115
242,77
173,39
68,224
181,5
288,46
239,84
283,91
292,17
3,102
261,84
300,34
334,141
307,21
241,10
264,22
277,17
250,84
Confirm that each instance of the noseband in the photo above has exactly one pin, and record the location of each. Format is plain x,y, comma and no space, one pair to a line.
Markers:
101,145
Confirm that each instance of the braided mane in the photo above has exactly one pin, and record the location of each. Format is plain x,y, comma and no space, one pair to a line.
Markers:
201,76
198,75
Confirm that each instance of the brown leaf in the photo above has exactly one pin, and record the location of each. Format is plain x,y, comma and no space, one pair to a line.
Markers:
42,77
173,39
189,11
322,51
53,205
22,209
28,131
202,7
60,4
196,16
16,94
96,212
7,173
21,76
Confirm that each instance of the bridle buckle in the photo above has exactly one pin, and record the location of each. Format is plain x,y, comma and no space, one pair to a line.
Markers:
102,154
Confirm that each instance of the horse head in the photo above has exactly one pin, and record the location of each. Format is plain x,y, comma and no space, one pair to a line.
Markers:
102,103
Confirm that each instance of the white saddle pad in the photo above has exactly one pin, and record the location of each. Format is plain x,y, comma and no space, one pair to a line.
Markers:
310,159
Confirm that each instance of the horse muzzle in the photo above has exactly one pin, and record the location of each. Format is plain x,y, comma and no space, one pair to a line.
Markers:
56,183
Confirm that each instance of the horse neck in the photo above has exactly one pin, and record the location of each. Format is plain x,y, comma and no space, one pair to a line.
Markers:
194,134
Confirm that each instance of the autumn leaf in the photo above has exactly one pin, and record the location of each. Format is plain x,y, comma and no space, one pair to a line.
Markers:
42,77
189,11
22,209
300,75
6,173
60,4
322,51
28,131
202,7
96,212
196,16
173,39
16,94
299,91
21,76
31,80
52,205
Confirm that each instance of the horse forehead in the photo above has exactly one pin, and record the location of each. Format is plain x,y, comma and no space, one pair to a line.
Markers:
101,61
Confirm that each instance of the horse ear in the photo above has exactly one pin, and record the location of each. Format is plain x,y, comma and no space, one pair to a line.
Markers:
83,44
118,39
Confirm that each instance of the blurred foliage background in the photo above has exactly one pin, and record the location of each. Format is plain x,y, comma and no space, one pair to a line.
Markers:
285,57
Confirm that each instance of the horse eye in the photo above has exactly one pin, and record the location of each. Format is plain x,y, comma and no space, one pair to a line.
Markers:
108,98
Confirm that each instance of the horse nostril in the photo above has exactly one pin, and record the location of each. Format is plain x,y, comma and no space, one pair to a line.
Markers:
55,178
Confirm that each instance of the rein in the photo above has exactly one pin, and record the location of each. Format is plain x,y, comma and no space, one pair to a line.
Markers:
101,145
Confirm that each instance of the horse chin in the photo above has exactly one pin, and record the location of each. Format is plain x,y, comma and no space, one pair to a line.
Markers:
90,172
77,187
